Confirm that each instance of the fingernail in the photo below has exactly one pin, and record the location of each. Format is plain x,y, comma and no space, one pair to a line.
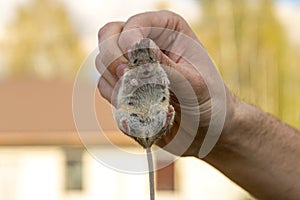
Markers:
120,70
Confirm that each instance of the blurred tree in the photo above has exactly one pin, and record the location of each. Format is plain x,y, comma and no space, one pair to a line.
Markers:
249,46
41,41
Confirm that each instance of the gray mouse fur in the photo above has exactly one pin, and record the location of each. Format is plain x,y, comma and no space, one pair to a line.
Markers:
143,109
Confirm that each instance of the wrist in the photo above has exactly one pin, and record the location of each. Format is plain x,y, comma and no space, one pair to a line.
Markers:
253,147
242,122
238,114
233,106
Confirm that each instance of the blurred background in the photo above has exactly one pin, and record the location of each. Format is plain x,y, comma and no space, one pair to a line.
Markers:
254,43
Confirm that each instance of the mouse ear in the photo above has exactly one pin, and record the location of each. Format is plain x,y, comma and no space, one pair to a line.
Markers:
144,43
152,44
155,49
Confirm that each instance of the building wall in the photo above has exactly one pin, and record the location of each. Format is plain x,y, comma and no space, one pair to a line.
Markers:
30,173
34,173
198,180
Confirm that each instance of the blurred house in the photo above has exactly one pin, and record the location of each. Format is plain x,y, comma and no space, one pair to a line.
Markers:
41,154
42,157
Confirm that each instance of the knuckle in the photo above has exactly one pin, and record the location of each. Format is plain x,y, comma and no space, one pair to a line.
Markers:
105,57
98,64
169,13
135,17
104,29
101,86
176,18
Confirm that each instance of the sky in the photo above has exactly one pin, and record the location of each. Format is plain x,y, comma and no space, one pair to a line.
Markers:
289,15
289,1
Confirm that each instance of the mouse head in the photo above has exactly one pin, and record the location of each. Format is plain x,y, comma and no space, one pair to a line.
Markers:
143,53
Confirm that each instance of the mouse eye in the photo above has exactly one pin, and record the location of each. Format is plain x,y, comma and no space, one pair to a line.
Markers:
130,103
163,99
151,58
135,61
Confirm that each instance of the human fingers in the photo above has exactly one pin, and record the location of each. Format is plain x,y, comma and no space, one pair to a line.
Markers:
105,89
178,73
110,54
104,72
160,26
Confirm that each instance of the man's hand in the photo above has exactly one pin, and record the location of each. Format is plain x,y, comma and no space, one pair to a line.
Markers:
255,150
183,58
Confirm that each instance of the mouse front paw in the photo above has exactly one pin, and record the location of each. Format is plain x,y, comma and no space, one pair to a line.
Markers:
165,81
170,116
134,82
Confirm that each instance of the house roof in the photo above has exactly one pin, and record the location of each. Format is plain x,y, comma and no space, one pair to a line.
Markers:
36,111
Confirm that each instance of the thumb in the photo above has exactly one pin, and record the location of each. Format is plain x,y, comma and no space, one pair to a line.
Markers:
172,69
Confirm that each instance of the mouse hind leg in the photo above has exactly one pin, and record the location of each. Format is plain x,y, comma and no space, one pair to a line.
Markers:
122,117
170,116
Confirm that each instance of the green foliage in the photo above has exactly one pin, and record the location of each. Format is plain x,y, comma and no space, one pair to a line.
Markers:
250,48
41,41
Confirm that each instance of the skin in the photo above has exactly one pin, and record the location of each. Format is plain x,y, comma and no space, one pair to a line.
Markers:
255,150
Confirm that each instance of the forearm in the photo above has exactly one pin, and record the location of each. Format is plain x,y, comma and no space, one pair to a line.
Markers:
259,153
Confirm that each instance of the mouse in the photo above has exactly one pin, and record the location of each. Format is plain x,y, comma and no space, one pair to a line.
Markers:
143,111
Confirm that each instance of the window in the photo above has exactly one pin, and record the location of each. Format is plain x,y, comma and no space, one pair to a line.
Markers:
73,169
165,177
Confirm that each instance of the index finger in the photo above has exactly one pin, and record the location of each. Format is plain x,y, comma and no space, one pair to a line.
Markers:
110,55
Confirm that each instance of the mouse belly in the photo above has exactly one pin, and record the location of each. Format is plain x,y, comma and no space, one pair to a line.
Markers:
145,130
